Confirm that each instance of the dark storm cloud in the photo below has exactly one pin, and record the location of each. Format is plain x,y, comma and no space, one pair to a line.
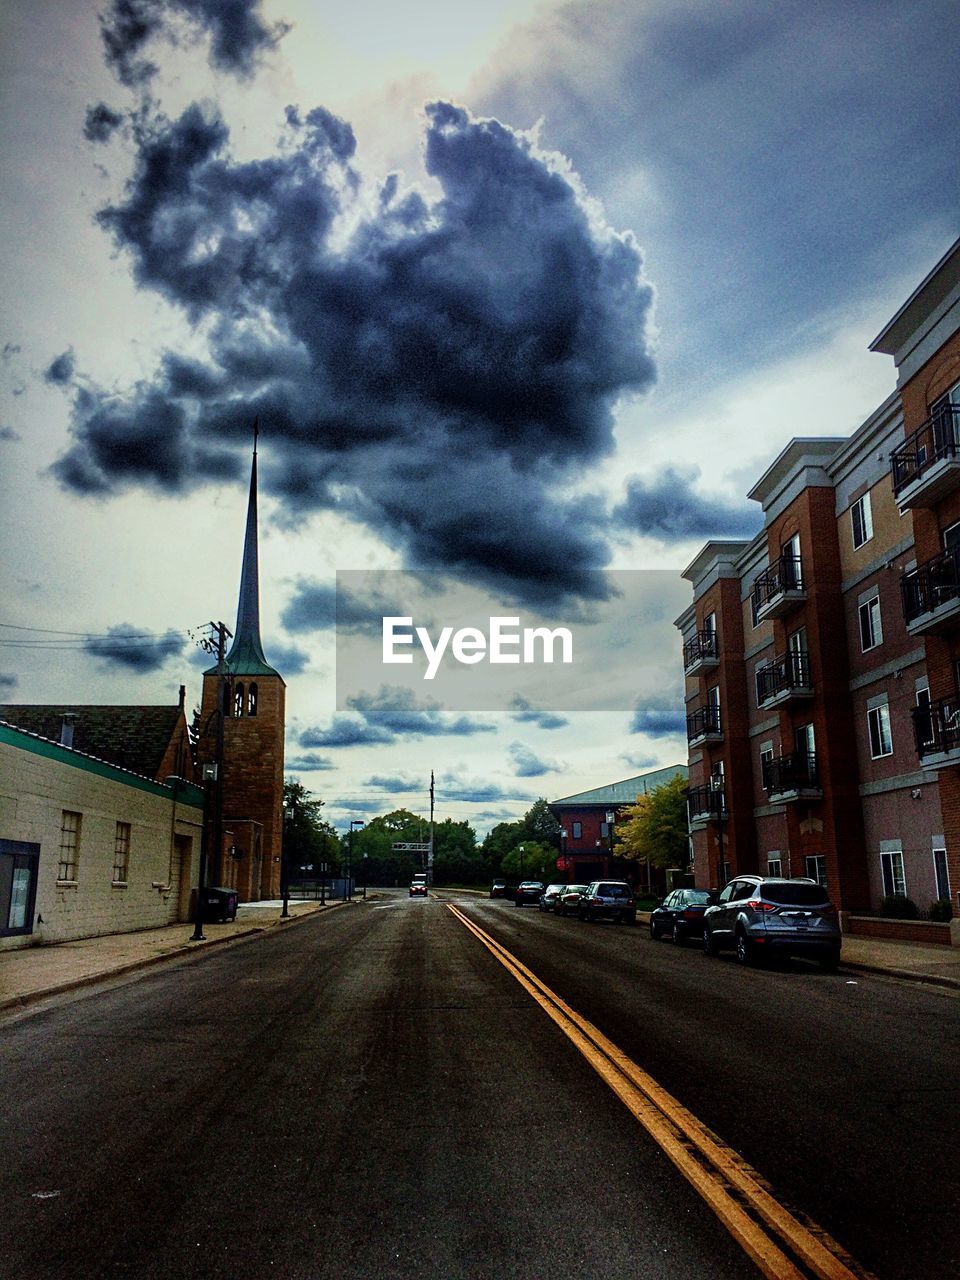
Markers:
524,712
8,683
394,784
457,787
317,606
659,717
399,711
773,152
527,764
133,649
59,372
345,731
236,29
8,433
101,123
669,507
288,658
309,762
436,378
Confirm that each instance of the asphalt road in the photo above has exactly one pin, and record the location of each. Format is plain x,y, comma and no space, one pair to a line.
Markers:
370,1093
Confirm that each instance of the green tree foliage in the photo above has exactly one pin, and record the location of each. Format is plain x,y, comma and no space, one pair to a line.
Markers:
456,857
655,828
385,865
308,840
530,860
539,824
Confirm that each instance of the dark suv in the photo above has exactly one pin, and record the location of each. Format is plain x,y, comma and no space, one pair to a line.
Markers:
762,915
611,898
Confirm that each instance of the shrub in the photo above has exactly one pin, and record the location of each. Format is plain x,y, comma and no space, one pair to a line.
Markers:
899,907
941,910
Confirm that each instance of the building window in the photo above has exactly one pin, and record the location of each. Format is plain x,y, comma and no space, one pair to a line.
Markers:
941,875
766,759
871,632
774,864
604,830
891,869
862,518
69,862
252,700
238,699
577,830
881,743
816,865
710,623
121,853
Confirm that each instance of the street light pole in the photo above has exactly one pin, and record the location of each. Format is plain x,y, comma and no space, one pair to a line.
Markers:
611,816
365,856
288,815
716,785
354,822
563,853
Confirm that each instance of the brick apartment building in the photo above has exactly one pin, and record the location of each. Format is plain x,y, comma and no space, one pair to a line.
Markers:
822,659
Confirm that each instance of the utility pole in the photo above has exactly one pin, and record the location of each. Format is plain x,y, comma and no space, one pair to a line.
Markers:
218,646
430,852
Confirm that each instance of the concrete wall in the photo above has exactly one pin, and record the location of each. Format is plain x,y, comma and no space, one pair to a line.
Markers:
38,781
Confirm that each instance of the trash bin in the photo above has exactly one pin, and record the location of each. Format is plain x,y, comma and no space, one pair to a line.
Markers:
219,905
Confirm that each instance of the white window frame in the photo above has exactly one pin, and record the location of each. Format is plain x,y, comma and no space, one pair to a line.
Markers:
892,875
945,880
878,729
68,865
774,863
815,865
871,626
766,753
861,520
121,853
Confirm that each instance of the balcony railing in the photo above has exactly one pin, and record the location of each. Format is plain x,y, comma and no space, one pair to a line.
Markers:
938,440
794,773
781,582
936,729
786,675
700,651
704,723
931,586
705,804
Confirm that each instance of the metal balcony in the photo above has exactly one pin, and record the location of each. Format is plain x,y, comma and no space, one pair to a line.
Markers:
936,730
793,777
704,726
779,589
700,653
785,677
926,467
931,594
705,804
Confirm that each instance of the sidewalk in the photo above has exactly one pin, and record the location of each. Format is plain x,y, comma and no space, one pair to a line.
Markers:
32,973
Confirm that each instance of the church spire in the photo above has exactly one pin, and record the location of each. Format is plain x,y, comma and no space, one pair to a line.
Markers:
246,654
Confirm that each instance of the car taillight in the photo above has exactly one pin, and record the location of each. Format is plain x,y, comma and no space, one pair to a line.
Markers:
757,905
692,915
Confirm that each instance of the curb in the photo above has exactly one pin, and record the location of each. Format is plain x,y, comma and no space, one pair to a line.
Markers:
147,962
905,975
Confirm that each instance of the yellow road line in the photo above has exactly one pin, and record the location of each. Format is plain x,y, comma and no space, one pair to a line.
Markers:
733,1189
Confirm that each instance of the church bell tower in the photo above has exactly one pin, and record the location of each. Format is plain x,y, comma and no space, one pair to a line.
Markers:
253,726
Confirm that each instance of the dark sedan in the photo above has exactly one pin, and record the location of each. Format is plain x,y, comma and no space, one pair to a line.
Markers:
680,914
528,891
569,901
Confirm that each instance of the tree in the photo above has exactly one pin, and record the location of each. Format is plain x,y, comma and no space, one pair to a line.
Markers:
308,840
530,860
539,824
456,858
655,828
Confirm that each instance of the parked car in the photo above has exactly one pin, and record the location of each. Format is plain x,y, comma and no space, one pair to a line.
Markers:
527,891
548,899
499,889
680,914
568,902
612,899
763,915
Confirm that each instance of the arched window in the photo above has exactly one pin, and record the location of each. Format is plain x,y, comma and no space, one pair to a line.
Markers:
238,699
252,700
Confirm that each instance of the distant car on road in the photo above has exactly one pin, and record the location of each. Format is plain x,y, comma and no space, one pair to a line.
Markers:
763,915
680,914
527,891
548,899
499,889
418,887
610,899
568,902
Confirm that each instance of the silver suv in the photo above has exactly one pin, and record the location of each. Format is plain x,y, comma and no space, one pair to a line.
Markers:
760,915
610,898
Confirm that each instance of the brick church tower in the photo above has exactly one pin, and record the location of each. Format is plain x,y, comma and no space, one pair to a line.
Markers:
253,725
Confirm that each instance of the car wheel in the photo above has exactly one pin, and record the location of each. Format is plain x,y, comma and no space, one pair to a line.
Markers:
581,915
709,943
830,963
746,953
654,932
679,936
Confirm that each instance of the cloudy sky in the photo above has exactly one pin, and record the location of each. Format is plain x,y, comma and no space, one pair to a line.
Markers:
521,293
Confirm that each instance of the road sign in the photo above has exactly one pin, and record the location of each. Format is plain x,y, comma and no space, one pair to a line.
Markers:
405,847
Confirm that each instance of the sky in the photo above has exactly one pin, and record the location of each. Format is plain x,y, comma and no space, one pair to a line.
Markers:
525,297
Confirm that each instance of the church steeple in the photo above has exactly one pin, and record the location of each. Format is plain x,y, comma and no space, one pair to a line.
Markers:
246,656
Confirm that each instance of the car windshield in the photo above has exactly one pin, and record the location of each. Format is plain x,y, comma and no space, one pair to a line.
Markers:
614,890
795,895
575,888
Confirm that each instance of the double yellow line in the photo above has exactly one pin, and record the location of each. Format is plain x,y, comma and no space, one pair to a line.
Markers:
783,1247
